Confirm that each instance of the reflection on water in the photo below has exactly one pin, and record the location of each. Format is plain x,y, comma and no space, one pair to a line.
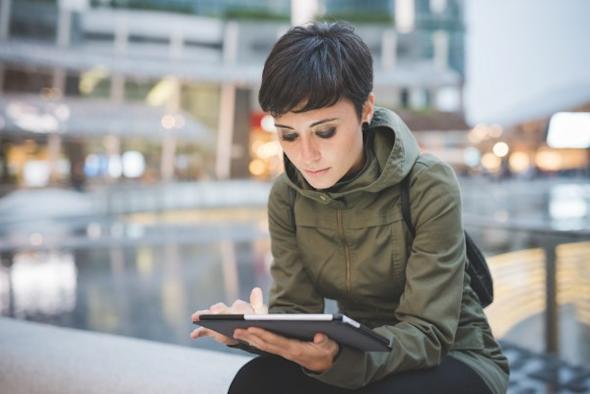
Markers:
568,206
4,291
230,272
552,204
147,291
39,284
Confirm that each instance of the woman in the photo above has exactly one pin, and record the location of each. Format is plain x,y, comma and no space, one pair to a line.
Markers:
337,231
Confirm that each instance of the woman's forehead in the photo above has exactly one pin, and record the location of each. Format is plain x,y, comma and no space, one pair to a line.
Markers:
341,109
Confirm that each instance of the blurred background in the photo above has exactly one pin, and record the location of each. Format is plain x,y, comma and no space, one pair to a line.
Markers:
135,161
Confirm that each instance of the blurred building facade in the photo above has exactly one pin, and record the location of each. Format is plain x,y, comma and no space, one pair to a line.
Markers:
519,75
173,84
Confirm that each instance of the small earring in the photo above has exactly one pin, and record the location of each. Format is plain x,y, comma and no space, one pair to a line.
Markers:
365,126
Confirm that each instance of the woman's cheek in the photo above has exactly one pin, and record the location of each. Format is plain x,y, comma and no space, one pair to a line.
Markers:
289,153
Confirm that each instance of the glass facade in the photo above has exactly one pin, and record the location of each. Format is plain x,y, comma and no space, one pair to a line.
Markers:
221,9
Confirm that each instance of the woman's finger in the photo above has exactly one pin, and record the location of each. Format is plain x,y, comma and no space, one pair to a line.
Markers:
260,343
220,307
320,339
196,315
257,301
198,332
273,338
203,332
270,342
240,306
222,338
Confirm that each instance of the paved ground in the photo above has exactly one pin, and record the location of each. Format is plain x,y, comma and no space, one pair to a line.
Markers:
533,373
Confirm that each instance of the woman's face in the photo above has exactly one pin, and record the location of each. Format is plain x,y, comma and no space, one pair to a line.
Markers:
324,144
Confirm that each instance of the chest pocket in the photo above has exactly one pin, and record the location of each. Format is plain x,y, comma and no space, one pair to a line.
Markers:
355,254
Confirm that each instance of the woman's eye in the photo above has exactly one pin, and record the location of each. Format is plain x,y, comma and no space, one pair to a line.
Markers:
327,133
288,136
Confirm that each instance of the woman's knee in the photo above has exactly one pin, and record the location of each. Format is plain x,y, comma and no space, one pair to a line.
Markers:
259,374
250,372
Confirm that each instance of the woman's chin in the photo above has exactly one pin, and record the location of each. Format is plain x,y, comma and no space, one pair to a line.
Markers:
324,179
320,184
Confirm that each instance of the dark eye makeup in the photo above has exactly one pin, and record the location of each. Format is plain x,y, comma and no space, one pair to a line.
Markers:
329,133
288,136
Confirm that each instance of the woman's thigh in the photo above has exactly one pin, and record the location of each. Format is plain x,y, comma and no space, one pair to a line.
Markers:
450,376
267,374
270,374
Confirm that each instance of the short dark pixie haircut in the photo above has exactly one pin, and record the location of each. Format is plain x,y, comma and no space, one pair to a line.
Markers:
318,65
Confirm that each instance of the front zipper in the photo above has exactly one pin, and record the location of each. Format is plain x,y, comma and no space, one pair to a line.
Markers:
346,250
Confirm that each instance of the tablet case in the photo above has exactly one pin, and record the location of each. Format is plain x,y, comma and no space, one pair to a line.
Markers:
338,327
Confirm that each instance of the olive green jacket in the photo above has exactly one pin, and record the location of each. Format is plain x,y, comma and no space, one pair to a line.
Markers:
350,243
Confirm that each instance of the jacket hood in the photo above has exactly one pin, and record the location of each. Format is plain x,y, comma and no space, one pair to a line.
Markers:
390,149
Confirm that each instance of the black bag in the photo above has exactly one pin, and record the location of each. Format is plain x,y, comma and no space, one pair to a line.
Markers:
477,267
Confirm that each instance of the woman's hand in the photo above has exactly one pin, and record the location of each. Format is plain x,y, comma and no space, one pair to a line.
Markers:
316,356
256,306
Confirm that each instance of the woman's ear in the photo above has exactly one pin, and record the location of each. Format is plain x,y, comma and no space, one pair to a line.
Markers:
369,108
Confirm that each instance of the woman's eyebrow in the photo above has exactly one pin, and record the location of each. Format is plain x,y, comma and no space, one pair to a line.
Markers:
312,125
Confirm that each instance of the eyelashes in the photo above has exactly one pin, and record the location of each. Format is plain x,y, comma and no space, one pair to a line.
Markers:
288,137
325,134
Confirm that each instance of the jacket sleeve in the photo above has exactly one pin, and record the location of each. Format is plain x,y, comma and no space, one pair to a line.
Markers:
292,290
429,308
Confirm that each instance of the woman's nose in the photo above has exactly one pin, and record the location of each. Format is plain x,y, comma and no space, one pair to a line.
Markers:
309,152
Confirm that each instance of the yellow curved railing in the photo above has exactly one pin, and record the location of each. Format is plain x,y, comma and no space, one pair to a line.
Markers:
519,280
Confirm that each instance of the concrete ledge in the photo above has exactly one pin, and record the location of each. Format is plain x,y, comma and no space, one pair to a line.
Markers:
39,358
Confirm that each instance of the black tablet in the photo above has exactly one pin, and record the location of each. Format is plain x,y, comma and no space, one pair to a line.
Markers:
338,327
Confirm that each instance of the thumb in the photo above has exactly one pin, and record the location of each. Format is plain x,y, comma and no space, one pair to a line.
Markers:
257,300
319,338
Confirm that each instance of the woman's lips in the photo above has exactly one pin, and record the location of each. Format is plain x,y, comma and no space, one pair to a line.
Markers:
316,172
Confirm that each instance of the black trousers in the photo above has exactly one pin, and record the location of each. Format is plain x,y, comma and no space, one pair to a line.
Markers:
270,374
